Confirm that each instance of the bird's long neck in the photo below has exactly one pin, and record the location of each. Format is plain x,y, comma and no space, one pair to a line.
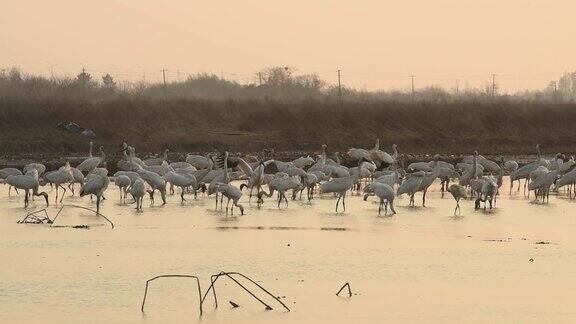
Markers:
90,152
395,156
165,154
436,169
103,154
226,175
377,146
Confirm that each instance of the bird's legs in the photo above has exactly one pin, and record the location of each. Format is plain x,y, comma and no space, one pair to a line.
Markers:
285,199
182,195
163,195
26,198
151,193
63,192
424,197
97,204
337,202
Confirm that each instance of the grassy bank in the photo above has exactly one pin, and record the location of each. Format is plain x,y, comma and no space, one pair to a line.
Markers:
28,126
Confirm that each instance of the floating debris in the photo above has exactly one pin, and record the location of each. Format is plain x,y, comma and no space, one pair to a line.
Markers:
542,242
233,304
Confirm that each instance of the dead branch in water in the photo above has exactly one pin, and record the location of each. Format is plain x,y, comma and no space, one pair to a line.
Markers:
349,290
31,218
215,277
81,207
173,276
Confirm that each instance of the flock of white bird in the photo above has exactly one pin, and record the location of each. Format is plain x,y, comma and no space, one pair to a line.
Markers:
377,173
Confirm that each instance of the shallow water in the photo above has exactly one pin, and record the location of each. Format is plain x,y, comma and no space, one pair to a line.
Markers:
421,265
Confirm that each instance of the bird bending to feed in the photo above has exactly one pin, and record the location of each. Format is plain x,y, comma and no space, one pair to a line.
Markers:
384,192
28,181
96,185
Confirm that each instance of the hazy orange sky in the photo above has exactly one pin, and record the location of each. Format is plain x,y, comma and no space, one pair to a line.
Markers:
377,44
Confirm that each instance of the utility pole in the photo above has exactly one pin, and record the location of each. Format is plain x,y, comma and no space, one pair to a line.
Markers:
260,77
412,77
165,89
339,88
178,72
493,85
457,86
83,83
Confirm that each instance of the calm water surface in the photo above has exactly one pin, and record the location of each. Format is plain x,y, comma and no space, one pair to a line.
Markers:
421,265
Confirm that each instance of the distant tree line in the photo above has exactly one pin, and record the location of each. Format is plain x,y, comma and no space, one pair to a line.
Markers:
273,84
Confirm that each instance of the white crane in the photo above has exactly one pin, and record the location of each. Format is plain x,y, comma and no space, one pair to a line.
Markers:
5,173
90,151
341,185
487,192
469,174
27,182
123,182
384,192
309,181
92,163
281,184
63,175
181,180
428,179
360,154
41,168
458,192
78,177
96,185
255,176
410,185
137,190
380,156
303,162
228,190
156,182
157,161
198,161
